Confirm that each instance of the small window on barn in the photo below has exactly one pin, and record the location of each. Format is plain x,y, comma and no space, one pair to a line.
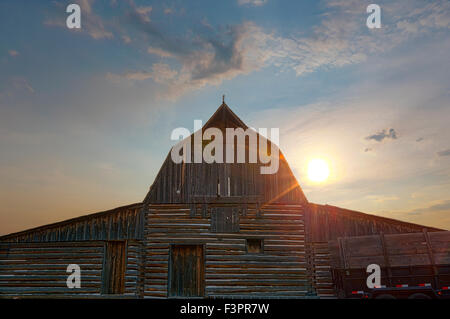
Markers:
224,220
255,246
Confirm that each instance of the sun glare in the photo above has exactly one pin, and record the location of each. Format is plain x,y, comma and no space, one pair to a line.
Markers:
318,170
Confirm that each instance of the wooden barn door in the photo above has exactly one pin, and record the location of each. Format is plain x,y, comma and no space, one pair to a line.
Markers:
186,271
113,281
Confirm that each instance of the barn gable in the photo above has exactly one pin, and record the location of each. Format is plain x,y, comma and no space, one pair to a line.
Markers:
196,182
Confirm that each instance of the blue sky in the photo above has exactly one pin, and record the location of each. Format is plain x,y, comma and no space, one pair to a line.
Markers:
86,115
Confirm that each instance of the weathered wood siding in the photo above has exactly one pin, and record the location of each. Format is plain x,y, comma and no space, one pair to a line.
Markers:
395,250
181,183
321,276
116,224
186,271
134,273
39,269
279,271
325,223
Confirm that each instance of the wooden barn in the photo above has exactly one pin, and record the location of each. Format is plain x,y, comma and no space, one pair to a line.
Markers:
203,230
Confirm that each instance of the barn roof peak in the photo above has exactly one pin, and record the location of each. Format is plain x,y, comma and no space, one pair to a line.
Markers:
224,117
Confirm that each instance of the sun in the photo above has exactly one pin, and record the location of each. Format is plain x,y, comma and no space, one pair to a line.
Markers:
318,170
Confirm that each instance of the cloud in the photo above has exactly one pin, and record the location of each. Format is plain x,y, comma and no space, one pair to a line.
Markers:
168,10
433,213
92,23
443,205
17,86
144,12
425,17
382,135
210,56
13,53
342,38
126,39
160,73
22,83
444,153
382,198
159,52
255,3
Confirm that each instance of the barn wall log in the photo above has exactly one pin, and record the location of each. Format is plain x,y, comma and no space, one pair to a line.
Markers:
133,272
281,270
321,265
39,269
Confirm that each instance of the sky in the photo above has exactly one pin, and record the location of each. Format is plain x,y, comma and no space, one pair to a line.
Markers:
86,114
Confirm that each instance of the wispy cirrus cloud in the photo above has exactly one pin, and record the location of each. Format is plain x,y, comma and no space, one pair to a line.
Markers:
340,39
433,213
426,16
443,205
255,3
161,73
16,86
343,39
208,55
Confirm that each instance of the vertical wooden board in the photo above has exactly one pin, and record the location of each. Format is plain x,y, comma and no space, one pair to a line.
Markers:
213,220
235,220
186,278
113,276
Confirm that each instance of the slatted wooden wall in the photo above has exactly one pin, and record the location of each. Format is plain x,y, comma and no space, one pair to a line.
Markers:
395,250
230,271
116,224
134,269
39,269
179,183
325,223
321,275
